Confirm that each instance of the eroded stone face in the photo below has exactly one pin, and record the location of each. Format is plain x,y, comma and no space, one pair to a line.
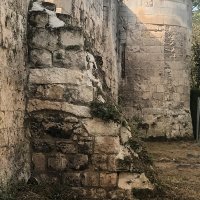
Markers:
156,85
14,148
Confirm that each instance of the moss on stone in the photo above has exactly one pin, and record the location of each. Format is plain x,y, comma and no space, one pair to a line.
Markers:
73,48
106,111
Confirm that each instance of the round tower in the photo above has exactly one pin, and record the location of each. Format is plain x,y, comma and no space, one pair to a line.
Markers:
155,82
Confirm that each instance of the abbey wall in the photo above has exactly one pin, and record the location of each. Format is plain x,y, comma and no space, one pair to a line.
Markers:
155,85
75,53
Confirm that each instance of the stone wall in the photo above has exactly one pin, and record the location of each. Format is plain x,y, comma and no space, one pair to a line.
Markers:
14,146
99,21
155,86
75,57
94,158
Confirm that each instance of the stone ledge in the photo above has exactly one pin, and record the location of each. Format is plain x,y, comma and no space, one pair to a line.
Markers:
97,127
80,111
57,76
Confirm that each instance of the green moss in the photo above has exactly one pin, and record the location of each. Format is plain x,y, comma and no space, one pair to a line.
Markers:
126,162
59,56
106,111
138,147
73,48
134,123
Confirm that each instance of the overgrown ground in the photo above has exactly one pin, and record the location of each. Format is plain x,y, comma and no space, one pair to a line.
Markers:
178,165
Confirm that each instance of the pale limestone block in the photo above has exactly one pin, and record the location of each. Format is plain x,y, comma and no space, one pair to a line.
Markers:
41,58
57,76
107,144
70,59
130,181
161,88
151,19
98,127
73,38
36,105
55,92
108,180
125,134
45,39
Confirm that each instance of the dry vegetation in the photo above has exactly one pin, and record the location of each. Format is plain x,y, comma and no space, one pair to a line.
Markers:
178,165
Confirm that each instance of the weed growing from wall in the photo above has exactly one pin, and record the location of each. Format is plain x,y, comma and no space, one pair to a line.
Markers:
106,111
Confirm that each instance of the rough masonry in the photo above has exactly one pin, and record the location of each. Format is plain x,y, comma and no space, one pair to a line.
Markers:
71,66
79,52
14,143
155,86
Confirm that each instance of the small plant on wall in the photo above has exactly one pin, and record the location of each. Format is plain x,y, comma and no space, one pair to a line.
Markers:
108,112
105,111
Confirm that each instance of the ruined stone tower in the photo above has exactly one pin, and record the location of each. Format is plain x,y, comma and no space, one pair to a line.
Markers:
155,82
78,52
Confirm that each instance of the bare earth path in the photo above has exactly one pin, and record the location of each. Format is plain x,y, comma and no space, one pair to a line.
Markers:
178,165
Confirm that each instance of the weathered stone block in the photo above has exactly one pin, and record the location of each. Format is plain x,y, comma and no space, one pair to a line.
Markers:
130,181
107,144
38,19
55,92
47,178
41,58
78,161
158,96
71,119
112,163
85,147
108,180
36,105
45,39
70,59
90,179
45,146
96,193
50,91
58,76
39,162
72,179
119,195
66,147
79,94
98,127
57,162
81,132
71,38
99,161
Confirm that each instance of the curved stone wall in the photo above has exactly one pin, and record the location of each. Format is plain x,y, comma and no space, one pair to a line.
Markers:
156,84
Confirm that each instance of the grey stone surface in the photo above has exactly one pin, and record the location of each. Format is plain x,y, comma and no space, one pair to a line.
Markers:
14,146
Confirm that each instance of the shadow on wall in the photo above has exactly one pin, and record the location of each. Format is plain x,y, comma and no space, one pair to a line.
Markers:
155,54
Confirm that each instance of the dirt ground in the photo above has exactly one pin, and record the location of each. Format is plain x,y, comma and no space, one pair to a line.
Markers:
178,165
